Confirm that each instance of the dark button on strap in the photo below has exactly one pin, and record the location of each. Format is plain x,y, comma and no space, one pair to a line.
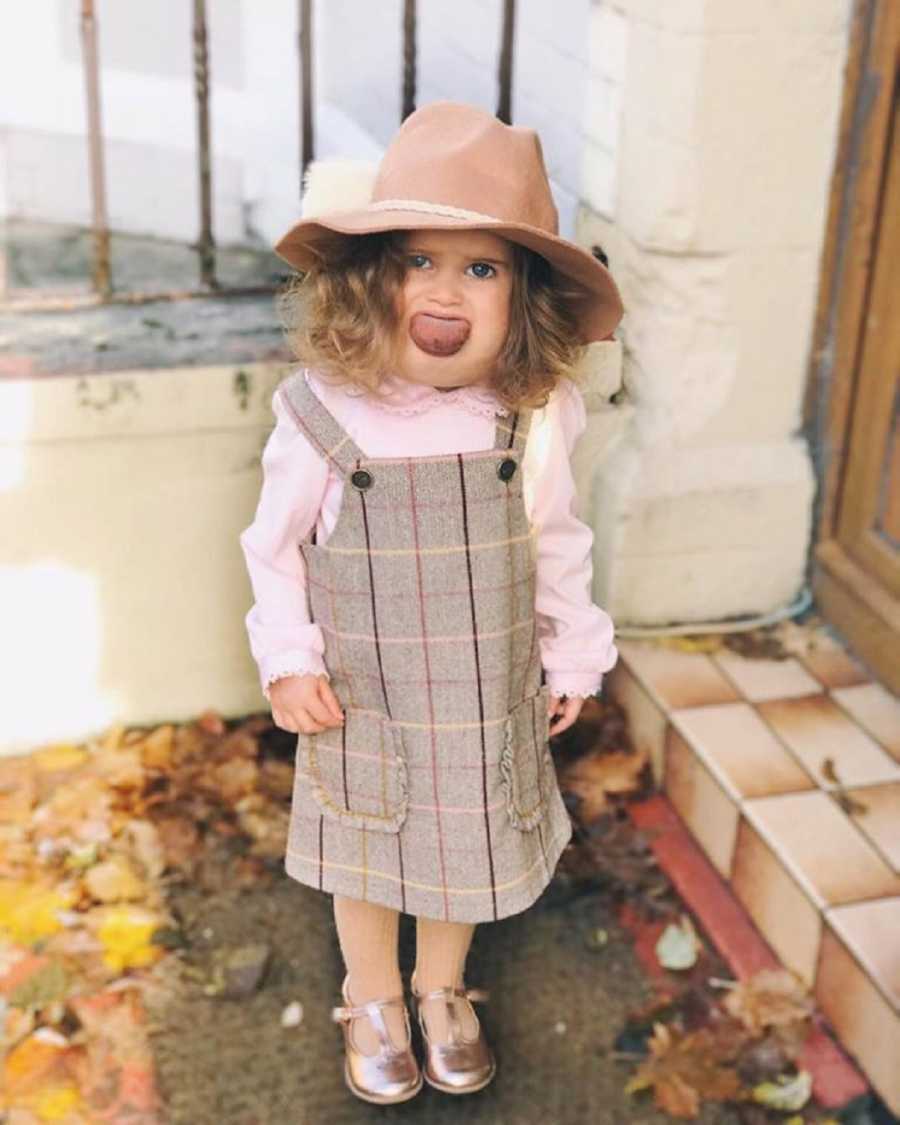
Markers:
506,469
361,478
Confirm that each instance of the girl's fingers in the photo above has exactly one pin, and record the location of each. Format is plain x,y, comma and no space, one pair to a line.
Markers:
327,693
284,721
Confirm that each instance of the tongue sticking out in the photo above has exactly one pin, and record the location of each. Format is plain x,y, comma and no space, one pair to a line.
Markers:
438,335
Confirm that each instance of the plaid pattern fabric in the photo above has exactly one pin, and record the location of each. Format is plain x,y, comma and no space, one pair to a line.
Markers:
438,797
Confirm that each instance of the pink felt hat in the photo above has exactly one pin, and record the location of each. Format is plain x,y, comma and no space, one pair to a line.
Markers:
455,166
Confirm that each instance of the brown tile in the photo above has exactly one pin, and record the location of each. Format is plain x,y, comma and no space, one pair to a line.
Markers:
863,1015
674,678
704,805
741,750
822,848
880,821
816,730
645,718
876,709
766,679
787,917
832,664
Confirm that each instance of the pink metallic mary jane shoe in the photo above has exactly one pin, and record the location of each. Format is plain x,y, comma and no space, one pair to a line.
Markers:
392,1074
459,1066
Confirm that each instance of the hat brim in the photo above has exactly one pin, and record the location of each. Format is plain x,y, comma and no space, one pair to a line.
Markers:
598,311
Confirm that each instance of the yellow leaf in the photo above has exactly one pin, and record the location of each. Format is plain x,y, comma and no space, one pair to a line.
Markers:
699,642
126,934
786,1093
57,1102
59,756
28,911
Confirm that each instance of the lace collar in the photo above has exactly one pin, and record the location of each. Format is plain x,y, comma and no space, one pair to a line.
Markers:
400,396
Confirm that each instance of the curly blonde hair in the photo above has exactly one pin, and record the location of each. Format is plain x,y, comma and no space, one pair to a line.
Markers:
340,317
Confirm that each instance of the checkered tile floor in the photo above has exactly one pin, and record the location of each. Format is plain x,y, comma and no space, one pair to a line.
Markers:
787,772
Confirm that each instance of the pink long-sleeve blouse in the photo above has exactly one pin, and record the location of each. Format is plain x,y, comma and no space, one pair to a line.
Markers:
300,489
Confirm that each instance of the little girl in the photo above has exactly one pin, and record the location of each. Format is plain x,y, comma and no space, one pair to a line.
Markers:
422,584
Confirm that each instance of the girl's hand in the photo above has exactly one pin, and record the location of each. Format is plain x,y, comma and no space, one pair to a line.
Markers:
304,704
569,710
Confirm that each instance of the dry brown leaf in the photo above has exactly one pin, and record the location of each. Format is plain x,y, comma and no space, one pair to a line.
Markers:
686,1068
235,778
211,722
157,748
17,790
114,880
78,811
598,773
143,837
180,840
770,998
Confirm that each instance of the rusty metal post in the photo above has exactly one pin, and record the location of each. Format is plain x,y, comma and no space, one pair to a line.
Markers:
409,58
305,43
102,274
504,110
206,242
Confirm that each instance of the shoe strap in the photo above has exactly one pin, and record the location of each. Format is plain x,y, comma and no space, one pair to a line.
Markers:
476,994
347,1012
449,996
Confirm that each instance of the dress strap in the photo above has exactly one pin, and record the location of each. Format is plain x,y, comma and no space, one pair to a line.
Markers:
319,425
511,431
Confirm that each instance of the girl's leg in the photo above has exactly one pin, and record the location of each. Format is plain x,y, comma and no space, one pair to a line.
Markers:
368,936
441,950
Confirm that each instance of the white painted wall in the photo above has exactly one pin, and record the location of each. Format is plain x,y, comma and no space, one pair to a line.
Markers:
149,111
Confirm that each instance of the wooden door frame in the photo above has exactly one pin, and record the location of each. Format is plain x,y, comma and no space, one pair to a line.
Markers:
848,596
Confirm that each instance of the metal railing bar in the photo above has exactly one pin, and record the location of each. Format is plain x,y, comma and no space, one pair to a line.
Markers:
206,242
305,47
504,107
101,271
409,59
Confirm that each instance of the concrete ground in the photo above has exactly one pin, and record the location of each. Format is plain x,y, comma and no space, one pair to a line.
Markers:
555,1007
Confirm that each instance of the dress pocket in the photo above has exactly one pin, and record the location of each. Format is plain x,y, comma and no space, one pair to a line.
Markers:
357,773
526,765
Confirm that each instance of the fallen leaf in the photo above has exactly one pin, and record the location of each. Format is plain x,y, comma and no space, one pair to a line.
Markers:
678,946
598,773
17,790
156,749
114,880
770,998
685,1068
788,1093
696,642
28,910
126,934
47,983
829,772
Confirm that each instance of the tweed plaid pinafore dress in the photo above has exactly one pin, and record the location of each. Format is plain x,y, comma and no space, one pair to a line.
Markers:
438,796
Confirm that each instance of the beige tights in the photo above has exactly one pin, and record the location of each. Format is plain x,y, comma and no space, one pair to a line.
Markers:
368,936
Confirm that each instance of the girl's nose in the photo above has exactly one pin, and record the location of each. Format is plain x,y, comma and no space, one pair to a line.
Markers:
445,288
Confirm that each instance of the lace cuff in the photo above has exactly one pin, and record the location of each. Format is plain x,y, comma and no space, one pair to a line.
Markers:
292,665
581,684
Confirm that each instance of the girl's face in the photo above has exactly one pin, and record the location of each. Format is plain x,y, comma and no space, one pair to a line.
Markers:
453,307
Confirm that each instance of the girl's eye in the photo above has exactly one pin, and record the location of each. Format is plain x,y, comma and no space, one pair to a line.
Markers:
483,266
415,259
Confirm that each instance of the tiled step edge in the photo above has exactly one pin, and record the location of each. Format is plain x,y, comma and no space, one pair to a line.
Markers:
836,1080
